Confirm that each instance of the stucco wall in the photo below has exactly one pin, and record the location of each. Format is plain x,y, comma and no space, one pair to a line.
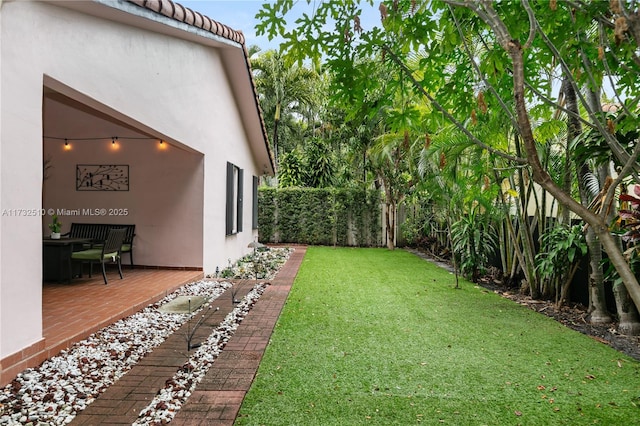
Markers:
163,85
1,201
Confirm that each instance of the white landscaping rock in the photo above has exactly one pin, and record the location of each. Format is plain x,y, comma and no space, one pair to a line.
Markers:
62,386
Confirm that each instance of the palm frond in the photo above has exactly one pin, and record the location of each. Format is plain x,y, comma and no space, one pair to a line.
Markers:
591,185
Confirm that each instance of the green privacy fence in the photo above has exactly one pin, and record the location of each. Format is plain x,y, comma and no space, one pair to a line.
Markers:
320,216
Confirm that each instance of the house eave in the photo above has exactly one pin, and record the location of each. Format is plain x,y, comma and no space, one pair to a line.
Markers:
170,18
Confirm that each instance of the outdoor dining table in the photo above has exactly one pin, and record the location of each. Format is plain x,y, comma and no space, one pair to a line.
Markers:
56,258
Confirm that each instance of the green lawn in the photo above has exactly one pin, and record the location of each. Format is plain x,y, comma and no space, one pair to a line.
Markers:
370,336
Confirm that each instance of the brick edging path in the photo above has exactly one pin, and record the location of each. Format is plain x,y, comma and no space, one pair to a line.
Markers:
217,398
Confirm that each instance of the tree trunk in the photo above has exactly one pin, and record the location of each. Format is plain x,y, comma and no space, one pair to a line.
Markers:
574,129
542,177
510,252
597,304
526,234
627,312
390,224
453,254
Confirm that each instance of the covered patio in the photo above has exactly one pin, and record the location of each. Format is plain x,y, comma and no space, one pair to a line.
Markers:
70,129
71,312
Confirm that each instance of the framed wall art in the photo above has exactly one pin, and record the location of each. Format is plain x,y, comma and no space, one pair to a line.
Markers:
102,177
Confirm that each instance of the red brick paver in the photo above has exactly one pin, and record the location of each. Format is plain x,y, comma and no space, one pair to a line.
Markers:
221,392
217,399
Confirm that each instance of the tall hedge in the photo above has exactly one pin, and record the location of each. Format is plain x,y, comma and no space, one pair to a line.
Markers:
319,216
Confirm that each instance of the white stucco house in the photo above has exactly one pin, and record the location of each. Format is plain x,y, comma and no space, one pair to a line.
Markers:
162,93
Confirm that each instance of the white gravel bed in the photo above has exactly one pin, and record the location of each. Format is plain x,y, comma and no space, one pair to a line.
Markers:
262,264
62,386
167,402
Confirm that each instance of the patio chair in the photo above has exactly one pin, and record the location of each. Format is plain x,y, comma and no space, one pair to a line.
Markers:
109,252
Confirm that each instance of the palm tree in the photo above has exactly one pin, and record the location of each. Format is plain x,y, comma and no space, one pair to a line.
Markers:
393,157
597,304
286,93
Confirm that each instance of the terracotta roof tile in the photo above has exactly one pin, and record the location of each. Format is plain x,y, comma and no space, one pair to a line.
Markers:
180,13
189,17
154,5
199,21
208,23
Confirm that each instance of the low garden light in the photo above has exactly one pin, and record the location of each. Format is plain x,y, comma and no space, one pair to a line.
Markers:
255,245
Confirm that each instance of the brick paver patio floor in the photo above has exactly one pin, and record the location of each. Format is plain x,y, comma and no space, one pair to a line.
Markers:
217,398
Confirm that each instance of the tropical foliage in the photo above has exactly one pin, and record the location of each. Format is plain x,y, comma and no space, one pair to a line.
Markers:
492,115
559,258
474,241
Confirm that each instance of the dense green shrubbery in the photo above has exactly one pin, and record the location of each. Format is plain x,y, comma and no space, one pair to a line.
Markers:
319,216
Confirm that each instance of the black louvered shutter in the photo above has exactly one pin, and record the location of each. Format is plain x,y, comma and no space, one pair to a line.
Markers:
254,216
229,204
240,197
